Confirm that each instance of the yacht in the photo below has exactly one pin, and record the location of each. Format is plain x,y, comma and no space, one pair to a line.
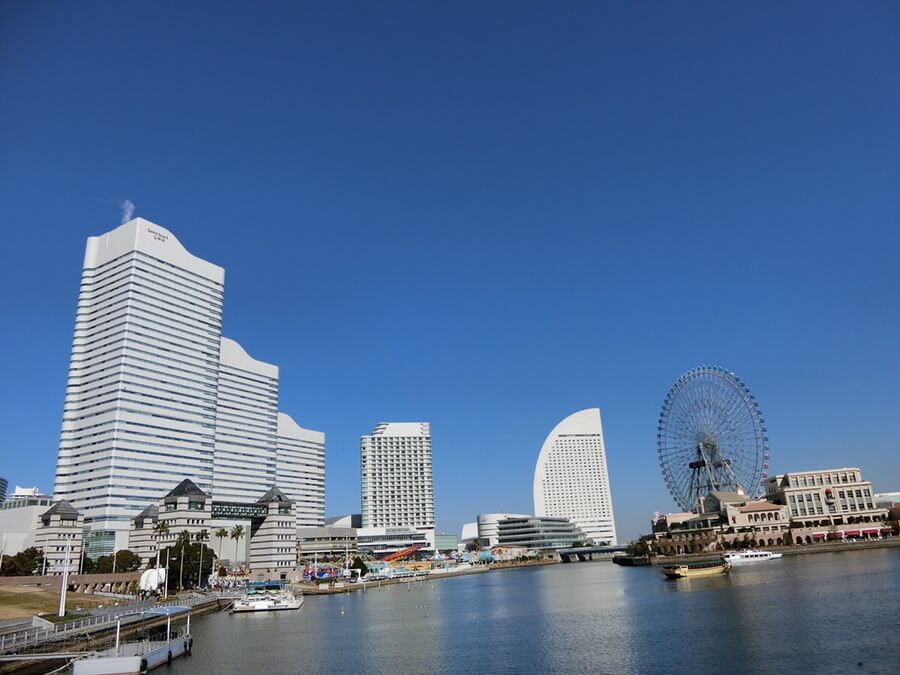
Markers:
750,555
266,597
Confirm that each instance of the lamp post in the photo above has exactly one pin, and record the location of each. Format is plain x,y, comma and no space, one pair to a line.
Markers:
65,581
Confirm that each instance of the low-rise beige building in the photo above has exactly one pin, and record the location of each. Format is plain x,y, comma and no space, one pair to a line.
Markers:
186,508
60,535
828,504
142,536
273,547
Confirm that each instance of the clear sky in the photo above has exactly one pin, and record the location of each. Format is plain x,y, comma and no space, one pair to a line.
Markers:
483,215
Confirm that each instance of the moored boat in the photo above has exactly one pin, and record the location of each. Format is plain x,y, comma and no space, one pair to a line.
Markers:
267,597
700,568
750,555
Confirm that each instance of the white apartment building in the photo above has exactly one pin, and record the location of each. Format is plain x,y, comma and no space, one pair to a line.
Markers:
300,470
155,394
571,479
396,477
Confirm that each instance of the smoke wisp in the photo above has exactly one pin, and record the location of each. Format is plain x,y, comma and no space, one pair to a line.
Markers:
127,210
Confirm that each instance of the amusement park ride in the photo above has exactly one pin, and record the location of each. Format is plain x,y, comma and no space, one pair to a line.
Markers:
711,437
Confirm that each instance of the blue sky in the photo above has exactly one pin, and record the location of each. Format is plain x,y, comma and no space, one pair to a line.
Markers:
486,217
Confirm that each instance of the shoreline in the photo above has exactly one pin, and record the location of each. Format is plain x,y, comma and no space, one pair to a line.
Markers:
796,549
314,589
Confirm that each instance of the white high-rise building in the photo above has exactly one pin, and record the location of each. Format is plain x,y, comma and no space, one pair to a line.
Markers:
155,394
300,470
396,477
571,480
246,425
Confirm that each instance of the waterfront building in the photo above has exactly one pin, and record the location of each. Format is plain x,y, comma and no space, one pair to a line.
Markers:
300,470
19,519
469,534
445,543
571,478
488,526
155,394
186,508
273,546
4,485
539,532
396,478
142,537
328,541
60,535
828,504
379,541
835,496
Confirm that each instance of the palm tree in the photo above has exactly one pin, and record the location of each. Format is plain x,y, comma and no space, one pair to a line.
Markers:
184,539
201,537
221,533
237,532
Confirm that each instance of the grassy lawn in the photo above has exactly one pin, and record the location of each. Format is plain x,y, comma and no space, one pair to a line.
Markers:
25,601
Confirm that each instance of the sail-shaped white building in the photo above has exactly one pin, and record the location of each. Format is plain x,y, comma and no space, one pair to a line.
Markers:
571,479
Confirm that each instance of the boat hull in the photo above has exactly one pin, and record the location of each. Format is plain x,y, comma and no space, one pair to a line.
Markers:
689,571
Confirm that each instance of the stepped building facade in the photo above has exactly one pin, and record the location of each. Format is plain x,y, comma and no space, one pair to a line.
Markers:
156,394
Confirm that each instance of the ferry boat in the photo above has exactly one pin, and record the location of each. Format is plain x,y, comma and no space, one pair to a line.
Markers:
750,555
700,568
266,597
136,657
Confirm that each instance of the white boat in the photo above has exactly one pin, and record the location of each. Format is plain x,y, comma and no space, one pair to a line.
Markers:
267,603
267,597
750,555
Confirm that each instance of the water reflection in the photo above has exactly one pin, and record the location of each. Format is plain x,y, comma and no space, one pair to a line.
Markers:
818,613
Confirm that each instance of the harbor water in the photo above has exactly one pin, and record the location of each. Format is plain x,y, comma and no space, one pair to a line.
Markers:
823,613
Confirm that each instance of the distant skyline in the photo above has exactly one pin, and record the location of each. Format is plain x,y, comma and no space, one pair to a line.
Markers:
486,218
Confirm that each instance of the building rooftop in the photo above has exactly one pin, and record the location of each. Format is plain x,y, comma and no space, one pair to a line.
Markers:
273,494
186,487
151,512
62,508
760,506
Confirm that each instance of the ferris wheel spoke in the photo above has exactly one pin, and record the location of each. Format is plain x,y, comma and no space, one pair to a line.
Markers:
709,404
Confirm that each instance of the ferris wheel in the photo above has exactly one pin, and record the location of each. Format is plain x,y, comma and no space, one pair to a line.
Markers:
711,437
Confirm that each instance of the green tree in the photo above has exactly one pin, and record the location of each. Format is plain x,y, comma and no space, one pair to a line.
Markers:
126,561
23,563
185,569
237,533
358,564
221,534
201,537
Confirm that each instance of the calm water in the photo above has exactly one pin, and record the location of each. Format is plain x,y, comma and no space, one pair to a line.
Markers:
821,613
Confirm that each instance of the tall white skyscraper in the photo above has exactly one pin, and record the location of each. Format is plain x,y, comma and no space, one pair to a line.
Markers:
571,480
246,425
300,470
155,394
396,476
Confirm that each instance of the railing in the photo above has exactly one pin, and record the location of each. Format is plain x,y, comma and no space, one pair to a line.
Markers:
32,637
